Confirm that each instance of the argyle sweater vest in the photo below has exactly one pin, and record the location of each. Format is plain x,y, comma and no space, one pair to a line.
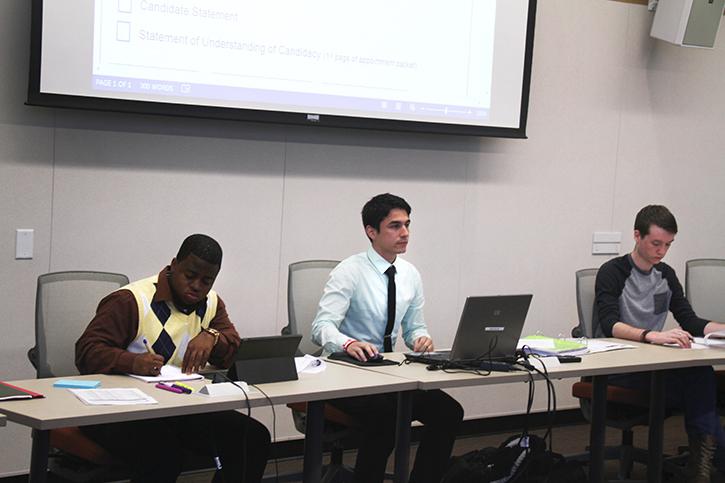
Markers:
167,330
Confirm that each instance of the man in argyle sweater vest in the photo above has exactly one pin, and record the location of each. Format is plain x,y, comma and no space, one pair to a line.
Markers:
185,323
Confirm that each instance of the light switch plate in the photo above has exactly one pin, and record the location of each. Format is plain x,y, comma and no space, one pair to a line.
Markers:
24,243
607,237
605,248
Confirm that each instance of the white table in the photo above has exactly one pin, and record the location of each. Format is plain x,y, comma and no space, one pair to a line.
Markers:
60,408
645,357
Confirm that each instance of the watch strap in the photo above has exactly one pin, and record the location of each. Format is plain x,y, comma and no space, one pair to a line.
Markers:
213,332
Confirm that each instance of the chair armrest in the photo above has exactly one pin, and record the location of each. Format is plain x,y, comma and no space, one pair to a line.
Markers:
615,394
33,356
331,413
73,441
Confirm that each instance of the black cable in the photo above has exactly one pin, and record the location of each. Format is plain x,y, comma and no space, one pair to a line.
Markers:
520,362
244,438
274,429
551,393
551,403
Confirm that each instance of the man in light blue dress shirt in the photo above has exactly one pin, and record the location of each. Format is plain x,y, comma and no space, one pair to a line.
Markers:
353,317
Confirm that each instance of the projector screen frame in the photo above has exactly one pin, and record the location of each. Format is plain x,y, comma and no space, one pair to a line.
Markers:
38,98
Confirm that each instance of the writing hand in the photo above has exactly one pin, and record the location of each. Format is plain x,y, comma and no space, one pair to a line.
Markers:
147,364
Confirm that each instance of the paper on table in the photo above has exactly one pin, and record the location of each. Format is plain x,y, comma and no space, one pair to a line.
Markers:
713,339
596,345
545,362
309,364
705,343
169,373
699,345
113,396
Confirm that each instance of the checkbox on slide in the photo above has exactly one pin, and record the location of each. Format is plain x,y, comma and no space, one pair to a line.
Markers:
124,6
123,31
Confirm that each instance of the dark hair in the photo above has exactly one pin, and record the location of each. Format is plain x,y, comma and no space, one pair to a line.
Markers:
655,215
203,246
380,206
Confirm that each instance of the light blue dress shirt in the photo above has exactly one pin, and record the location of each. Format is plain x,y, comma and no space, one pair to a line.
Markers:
354,303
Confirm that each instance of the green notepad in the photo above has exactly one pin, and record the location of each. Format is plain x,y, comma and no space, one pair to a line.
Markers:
560,346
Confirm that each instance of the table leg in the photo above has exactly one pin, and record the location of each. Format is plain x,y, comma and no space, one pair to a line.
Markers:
312,472
598,428
656,430
39,456
402,436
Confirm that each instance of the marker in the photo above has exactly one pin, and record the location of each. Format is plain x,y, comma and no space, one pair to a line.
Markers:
166,387
183,387
148,347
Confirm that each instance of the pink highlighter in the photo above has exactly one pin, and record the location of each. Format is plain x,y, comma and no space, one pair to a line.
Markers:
166,387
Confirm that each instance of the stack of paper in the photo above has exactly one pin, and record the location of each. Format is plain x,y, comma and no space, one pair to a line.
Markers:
550,346
113,396
713,339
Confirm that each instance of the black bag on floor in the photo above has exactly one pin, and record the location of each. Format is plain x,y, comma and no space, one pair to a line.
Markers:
518,459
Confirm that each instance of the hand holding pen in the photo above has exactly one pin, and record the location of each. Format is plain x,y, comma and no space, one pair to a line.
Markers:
149,363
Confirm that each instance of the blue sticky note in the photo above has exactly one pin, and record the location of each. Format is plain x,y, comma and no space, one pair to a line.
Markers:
77,383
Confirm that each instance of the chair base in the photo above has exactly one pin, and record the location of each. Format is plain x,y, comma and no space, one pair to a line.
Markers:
71,468
674,466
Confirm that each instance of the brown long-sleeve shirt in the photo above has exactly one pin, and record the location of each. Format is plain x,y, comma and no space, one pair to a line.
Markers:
102,347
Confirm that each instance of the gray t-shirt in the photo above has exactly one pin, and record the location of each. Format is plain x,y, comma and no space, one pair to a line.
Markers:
624,293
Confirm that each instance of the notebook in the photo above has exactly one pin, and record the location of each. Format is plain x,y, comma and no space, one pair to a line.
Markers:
8,392
489,330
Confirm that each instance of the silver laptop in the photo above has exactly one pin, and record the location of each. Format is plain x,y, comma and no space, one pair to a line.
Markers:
489,329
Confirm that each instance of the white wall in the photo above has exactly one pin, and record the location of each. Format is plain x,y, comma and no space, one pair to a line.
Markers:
616,121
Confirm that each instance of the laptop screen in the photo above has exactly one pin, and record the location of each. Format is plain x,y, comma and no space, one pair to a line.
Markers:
490,327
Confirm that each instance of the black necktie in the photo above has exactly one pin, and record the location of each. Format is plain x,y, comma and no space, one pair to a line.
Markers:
387,340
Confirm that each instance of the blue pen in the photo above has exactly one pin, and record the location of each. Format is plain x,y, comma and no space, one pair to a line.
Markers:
148,347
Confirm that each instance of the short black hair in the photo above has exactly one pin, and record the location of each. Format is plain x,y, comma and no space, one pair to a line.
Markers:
655,215
380,206
203,246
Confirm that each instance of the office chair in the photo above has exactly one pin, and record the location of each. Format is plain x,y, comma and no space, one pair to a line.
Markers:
704,289
305,283
65,302
626,408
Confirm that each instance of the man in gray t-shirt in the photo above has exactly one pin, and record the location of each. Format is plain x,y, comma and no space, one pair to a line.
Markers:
634,294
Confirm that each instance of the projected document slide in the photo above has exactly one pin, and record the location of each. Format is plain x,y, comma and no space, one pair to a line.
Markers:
406,58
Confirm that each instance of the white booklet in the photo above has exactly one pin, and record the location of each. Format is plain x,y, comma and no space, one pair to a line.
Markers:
713,339
168,374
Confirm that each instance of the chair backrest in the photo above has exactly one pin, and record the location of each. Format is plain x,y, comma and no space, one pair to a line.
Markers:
705,287
65,302
305,283
585,300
